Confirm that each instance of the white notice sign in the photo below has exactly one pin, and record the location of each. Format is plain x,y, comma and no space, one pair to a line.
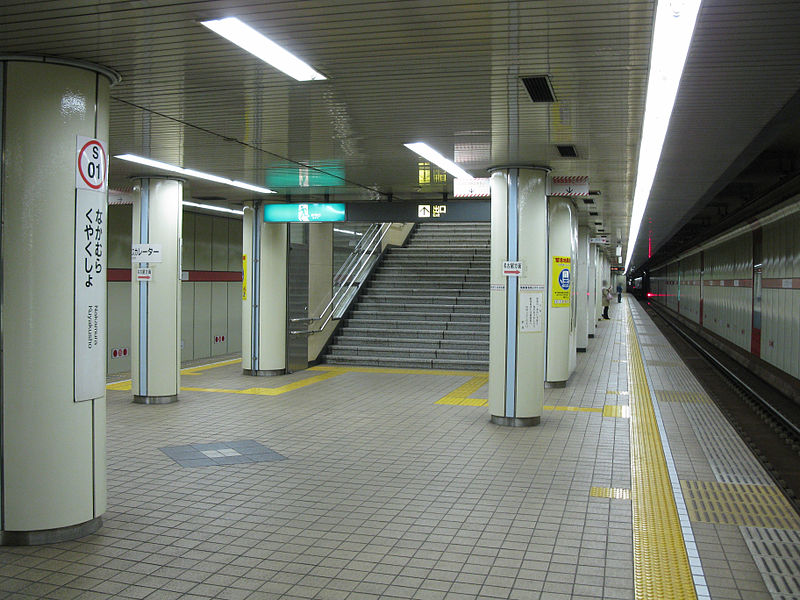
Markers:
90,295
146,253
144,274
512,268
531,310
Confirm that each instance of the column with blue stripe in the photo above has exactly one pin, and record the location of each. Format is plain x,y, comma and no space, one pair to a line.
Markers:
518,282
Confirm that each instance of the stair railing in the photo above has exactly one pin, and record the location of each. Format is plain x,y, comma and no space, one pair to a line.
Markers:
349,278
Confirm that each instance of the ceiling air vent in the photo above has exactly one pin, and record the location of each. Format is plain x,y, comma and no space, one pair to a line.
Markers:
592,214
567,151
539,88
588,200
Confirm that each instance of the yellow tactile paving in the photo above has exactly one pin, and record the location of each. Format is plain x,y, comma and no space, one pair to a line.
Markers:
461,395
747,505
196,370
262,391
620,411
614,493
661,564
119,386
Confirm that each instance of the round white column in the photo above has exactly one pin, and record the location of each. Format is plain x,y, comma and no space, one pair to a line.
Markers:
263,294
583,274
560,308
517,321
156,303
53,404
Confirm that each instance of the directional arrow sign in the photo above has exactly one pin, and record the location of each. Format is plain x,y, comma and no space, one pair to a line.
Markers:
512,268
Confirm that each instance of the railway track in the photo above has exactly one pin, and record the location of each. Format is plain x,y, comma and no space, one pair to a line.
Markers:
768,421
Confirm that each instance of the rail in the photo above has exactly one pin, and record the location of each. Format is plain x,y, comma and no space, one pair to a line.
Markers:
349,278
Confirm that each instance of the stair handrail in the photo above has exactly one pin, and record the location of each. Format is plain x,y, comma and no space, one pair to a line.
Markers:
362,254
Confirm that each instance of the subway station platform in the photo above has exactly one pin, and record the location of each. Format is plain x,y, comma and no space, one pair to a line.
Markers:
386,483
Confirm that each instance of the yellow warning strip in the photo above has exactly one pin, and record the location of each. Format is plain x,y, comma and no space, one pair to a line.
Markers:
619,411
461,395
196,370
122,386
261,391
588,409
606,492
660,562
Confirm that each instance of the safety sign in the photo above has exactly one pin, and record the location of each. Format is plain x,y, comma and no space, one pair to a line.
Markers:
144,274
91,165
561,280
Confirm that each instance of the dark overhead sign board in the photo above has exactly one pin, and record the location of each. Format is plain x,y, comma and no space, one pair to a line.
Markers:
454,211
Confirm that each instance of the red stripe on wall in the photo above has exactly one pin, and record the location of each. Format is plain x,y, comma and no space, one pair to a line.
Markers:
214,276
787,283
125,275
118,275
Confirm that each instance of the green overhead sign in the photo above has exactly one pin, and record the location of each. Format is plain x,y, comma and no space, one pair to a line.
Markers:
303,213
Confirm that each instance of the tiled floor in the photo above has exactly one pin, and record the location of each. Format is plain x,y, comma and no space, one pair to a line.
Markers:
383,493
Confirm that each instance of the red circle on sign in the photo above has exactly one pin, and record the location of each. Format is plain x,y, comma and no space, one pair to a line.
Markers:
105,164
114,353
222,339
124,352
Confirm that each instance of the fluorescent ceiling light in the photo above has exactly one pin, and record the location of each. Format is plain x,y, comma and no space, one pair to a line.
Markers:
674,25
262,47
212,207
192,173
440,161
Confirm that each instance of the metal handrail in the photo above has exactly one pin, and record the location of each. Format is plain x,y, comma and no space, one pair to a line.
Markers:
354,265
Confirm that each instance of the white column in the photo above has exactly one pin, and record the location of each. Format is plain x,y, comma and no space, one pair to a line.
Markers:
156,303
52,404
560,315
582,295
264,294
517,303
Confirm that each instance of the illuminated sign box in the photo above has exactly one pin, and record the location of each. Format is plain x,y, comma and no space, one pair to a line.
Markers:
303,213
315,174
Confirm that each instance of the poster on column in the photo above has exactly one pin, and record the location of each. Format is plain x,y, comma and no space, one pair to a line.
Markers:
531,310
90,295
561,281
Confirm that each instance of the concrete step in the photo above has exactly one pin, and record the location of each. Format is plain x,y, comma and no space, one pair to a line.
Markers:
416,342
408,363
465,334
401,352
375,323
420,315
430,299
421,307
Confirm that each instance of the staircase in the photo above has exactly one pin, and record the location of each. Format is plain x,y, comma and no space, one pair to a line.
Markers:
426,306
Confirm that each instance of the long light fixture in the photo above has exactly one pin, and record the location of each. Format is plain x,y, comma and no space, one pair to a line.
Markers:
232,211
440,161
260,46
192,173
674,25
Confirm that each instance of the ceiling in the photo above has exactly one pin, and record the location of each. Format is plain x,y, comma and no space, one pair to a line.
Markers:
446,73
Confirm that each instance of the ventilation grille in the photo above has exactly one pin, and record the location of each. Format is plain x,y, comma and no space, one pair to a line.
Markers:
539,88
567,151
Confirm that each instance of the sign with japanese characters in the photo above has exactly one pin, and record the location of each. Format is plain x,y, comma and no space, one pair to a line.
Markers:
531,311
91,165
561,280
90,294
146,253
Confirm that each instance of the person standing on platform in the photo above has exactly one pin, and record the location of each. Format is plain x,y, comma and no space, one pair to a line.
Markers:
619,293
606,296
